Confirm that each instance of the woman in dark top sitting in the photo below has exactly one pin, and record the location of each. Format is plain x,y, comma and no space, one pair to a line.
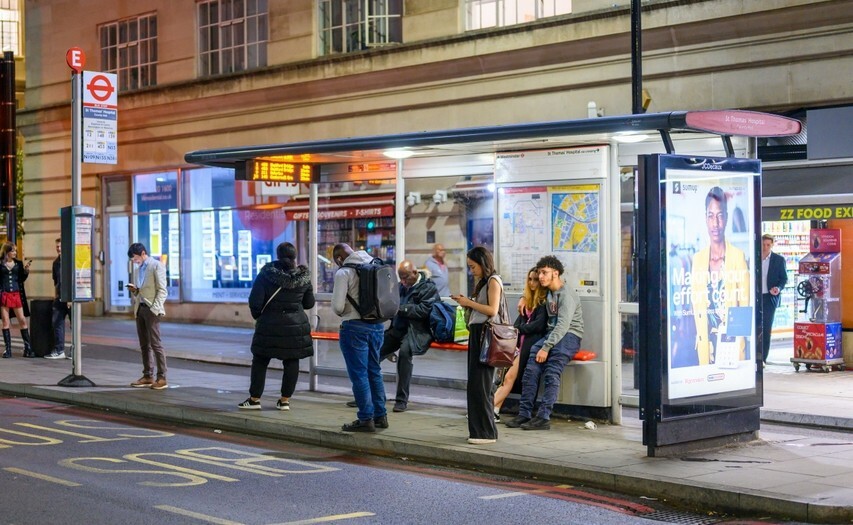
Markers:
280,295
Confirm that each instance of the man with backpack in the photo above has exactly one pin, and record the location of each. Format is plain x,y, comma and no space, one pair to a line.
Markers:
361,337
409,332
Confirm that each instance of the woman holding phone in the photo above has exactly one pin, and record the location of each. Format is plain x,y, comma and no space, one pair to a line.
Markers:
13,273
483,304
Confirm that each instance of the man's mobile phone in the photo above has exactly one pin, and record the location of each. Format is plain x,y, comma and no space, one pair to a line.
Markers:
130,285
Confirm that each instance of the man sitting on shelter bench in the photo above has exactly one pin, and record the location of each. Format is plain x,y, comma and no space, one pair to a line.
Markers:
550,355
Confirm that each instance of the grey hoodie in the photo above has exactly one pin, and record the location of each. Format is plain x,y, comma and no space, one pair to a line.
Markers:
564,316
346,282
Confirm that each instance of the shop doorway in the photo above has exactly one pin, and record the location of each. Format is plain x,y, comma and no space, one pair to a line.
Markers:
117,233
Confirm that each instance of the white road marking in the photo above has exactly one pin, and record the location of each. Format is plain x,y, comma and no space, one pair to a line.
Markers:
512,494
326,519
196,515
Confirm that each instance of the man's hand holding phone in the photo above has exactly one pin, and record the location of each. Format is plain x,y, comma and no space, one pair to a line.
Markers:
131,287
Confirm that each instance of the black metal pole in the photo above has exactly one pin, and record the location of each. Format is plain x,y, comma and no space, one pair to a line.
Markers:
636,59
8,157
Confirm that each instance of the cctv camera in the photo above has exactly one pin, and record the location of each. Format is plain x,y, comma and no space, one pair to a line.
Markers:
410,200
439,196
413,198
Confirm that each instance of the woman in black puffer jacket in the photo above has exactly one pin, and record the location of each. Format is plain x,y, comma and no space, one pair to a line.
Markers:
280,295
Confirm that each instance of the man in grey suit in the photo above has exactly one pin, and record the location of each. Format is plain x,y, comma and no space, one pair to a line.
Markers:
148,292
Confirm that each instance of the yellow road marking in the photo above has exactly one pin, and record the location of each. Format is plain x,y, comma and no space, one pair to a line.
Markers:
196,515
43,477
326,519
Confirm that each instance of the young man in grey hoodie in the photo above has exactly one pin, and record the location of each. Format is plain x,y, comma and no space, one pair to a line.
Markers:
360,341
549,355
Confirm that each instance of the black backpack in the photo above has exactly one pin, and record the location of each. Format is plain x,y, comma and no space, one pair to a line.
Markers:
378,290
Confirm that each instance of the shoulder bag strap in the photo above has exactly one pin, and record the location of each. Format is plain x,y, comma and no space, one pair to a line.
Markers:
270,299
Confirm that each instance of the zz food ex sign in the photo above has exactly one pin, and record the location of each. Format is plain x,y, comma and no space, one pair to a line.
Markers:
100,118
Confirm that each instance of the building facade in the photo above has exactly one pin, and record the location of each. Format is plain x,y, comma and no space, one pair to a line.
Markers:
223,73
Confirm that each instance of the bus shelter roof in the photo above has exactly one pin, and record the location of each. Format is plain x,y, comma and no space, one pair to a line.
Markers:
491,139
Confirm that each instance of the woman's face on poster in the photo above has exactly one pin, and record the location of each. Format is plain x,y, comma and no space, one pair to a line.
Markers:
715,219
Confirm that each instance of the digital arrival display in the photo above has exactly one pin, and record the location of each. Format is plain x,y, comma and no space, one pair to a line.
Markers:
278,171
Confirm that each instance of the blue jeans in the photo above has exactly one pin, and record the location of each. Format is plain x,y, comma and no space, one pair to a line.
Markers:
550,372
60,312
360,344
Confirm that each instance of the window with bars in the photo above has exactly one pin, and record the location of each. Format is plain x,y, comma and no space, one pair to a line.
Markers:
353,25
129,49
481,14
233,35
10,26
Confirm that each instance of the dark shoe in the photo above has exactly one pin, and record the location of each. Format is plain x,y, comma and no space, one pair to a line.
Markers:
537,423
282,405
399,406
248,404
28,350
381,422
160,384
517,421
352,404
497,418
7,340
359,426
392,358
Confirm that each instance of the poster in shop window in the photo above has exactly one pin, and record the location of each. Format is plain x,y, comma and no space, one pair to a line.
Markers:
710,267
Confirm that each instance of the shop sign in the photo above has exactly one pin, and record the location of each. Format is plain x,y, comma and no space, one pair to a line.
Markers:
808,213
343,213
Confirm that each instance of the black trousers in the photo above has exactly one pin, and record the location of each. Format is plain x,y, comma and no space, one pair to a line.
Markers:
481,400
258,379
396,340
769,311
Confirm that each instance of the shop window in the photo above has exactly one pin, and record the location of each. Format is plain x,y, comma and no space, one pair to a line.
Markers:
353,25
233,35
129,49
482,14
156,222
230,231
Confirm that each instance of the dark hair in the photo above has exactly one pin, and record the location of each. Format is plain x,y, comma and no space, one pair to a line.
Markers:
718,195
6,248
767,237
483,257
136,248
549,261
286,253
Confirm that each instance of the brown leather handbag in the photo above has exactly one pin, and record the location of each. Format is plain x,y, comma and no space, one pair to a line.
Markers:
498,344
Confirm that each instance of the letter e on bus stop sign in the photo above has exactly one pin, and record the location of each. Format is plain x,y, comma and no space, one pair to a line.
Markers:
76,59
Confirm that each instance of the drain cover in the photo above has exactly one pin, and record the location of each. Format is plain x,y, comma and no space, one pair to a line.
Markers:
672,516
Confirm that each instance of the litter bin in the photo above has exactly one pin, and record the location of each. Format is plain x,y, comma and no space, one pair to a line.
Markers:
41,326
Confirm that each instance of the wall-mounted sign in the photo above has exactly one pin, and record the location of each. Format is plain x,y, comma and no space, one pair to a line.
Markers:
344,213
808,213
100,117
277,171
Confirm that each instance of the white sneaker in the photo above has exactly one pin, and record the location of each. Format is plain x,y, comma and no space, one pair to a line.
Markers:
55,355
481,441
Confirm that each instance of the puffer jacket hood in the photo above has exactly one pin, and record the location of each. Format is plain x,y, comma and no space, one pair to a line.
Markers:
275,273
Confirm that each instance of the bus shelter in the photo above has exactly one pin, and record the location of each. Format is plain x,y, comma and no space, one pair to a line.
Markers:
565,188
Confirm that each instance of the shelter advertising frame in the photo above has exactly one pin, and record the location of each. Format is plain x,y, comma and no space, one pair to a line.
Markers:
700,309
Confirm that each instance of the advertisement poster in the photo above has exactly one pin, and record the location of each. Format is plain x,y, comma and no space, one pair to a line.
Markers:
174,246
208,246
244,255
710,268
83,258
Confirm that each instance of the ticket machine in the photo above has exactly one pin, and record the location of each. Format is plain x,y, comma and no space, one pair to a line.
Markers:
817,333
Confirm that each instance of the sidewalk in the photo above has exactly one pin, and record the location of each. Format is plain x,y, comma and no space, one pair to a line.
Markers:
791,476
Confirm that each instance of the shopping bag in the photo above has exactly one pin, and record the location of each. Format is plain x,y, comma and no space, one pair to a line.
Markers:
460,334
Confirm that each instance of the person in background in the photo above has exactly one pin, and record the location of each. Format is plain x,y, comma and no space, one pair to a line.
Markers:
60,309
774,277
13,273
148,293
549,355
360,341
438,270
531,323
278,300
409,332
484,305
